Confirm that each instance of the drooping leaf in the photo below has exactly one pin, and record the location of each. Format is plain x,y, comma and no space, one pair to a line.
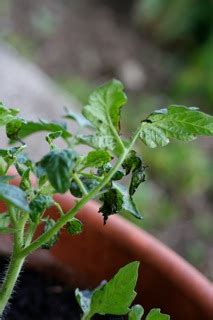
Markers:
138,176
115,200
79,118
49,223
114,297
155,314
30,127
38,205
132,162
14,195
128,203
58,165
112,203
136,312
176,122
96,159
74,226
6,114
103,110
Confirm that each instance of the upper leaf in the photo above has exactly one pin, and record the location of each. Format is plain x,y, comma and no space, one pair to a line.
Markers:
114,297
58,165
176,122
30,127
14,195
97,141
96,159
103,110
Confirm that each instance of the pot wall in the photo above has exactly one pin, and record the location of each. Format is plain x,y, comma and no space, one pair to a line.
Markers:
165,280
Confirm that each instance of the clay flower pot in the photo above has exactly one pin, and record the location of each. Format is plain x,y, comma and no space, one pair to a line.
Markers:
165,279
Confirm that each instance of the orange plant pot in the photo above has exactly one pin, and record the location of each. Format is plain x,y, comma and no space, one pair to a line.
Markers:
165,280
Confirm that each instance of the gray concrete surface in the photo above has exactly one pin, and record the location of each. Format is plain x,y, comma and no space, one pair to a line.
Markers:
25,86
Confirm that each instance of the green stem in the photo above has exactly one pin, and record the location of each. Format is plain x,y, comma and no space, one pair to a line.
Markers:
80,184
10,279
64,219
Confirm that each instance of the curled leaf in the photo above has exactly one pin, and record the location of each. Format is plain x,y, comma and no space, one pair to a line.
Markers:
50,243
74,226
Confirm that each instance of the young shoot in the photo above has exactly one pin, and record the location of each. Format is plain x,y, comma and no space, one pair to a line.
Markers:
97,175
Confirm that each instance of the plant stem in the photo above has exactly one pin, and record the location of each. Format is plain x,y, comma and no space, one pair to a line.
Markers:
80,184
10,279
70,214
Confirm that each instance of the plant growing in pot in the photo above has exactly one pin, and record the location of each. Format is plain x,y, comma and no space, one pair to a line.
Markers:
91,176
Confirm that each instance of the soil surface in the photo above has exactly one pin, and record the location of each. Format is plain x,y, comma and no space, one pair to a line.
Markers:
38,296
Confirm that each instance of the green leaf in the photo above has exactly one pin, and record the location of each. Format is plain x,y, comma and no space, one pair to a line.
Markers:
136,312
74,226
38,205
112,203
132,162
25,183
115,200
6,115
7,230
14,195
89,183
128,203
176,122
103,110
4,220
6,178
113,297
96,159
58,165
81,120
155,314
13,128
30,127
49,223
106,168
98,141
52,136
138,176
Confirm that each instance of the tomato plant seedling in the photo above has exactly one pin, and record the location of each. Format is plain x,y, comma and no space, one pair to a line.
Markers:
93,176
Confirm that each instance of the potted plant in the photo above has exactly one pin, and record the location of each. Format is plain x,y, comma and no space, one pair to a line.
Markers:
96,175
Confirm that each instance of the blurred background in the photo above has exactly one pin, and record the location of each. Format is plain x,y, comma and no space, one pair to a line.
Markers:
162,50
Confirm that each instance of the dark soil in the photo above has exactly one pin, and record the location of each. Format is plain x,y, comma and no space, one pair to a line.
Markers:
40,297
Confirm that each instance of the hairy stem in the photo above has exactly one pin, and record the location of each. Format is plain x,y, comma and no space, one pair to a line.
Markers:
9,282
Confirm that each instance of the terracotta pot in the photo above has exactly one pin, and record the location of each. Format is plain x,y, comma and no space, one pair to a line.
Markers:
165,279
